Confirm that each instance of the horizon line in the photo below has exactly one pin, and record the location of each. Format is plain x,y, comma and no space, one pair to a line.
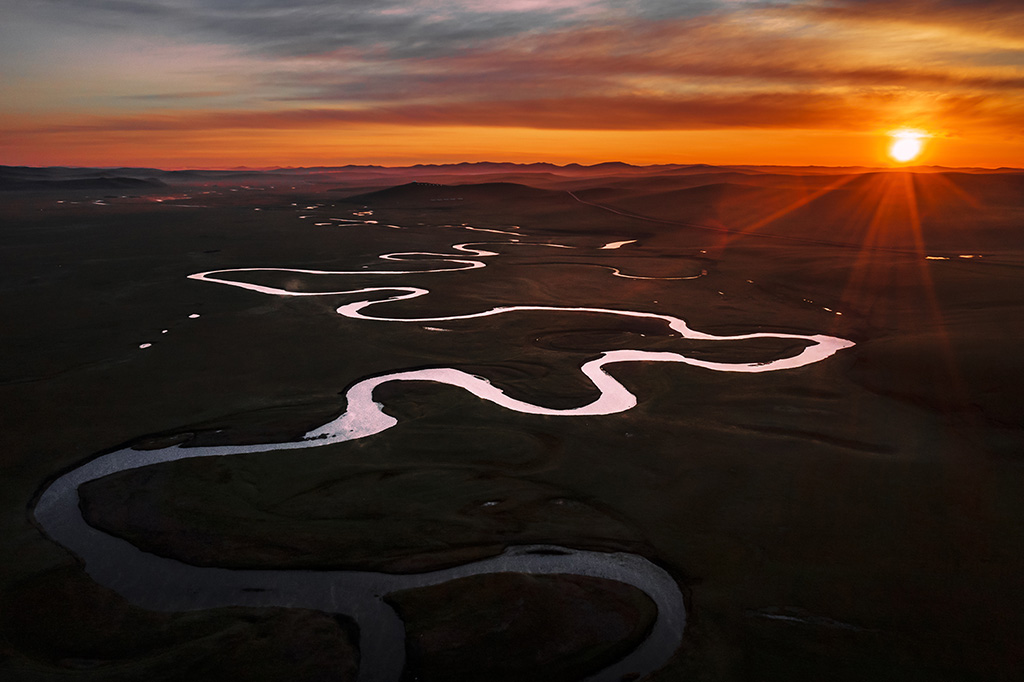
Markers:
265,169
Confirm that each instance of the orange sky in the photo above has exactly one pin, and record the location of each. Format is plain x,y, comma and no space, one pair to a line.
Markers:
218,83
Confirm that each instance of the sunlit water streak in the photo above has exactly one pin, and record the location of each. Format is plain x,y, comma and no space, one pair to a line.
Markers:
159,583
617,245
618,273
485,229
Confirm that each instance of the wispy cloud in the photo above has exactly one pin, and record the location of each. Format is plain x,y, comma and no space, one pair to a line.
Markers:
174,96
863,111
405,28
988,17
636,57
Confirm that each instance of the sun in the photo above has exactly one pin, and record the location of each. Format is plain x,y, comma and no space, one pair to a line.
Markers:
906,144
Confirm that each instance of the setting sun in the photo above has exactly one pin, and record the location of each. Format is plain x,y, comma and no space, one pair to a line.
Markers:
906,145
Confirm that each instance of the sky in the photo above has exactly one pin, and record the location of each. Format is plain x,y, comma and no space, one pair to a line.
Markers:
224,83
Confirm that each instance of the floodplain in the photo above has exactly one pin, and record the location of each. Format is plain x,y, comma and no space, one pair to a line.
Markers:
822,461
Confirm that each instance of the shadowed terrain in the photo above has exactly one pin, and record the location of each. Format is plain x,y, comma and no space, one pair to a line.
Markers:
857,518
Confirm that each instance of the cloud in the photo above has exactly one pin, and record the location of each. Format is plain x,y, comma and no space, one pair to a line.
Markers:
761,111
841,65
174,96
992,17
685,72
404,28
653,58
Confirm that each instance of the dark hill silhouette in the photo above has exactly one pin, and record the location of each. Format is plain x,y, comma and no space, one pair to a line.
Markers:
433,195
119,183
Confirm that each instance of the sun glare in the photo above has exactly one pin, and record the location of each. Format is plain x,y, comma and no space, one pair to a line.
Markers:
906,144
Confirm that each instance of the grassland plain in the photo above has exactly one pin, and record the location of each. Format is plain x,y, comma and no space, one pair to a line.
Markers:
855,519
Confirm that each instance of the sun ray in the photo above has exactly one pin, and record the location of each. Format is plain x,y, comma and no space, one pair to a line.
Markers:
795,205
878,278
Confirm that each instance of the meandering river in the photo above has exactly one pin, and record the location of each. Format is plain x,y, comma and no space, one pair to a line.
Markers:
165,584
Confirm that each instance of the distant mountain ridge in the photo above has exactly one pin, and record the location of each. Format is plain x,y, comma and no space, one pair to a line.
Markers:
367,178
52,173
